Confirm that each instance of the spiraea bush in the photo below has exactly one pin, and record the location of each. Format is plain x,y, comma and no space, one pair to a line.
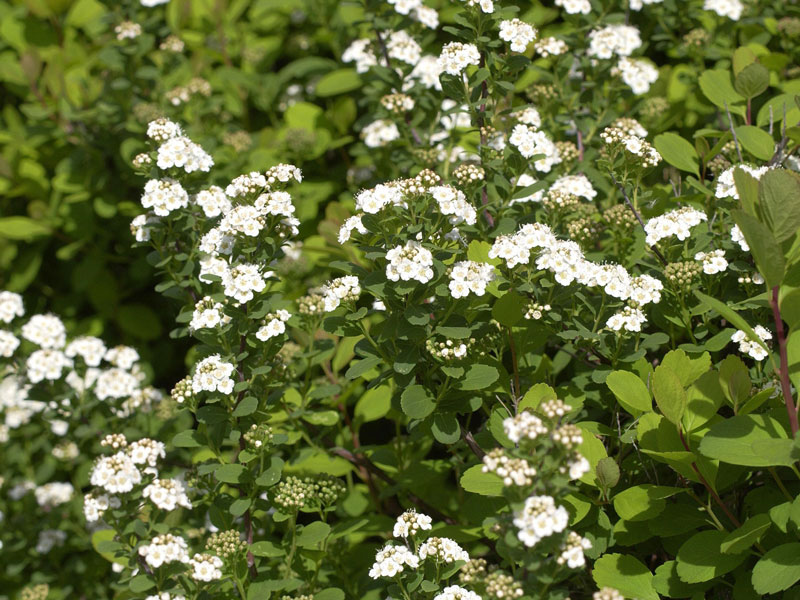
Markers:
526,328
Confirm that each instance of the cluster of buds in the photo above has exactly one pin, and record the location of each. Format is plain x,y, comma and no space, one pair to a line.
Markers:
448,349
513,471
568,151
467,175
583,230
258,437
35,592
502,585
536,311
181,94
182,392
682,274
115,441
397,103
226,544
620,217
560,200
311,305
420,184
541,92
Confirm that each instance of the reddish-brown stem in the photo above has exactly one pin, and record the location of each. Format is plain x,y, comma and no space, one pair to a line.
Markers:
708,487
786,388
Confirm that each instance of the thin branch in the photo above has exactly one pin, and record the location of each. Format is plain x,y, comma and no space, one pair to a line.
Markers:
473,445
786,387
711,491
733,132
363,461
655,250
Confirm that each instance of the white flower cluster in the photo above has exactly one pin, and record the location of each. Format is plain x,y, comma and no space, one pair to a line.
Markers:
528,116
95,505
572,551
453,203
164,196
46,331
442,550
360,52
456,592
674,223
341,289
751,347
11,306
162,130
374,200
212,374
391,560
574,185
8,344
456,57
49,539
182,153
53,493
524,426
164,549
410,523
646,154
207,314
403,47
242,281
274,325
468,276
539,518
738,237
146,452
550,46
91,349
380,133
246,184
206,567
46,364
629,318
529,142
621,40
167,494
116,474
123,357
731,9
638,74
575,7
351,224
577,466
513,471
128,30
566,261
726,186
416,10
411,261
518,33
607,593
713,262
166,596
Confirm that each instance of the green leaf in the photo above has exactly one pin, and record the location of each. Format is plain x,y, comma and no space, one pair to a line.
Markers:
779,198
749,440
141,583
239,506
417,402
700,559
742,57
360,367
535,396
727,313
445,428
687,369
322,417
140,321
338,82
778,569
756,141
509,309
272,474
374,404
312,534
677,152
188,439
716,86
752,80
267,549
329,594
745,536
747,188
625,574
486,484
735,380
669,393
247,406
479,377
230,473
763,246
631,392
643,502
607,472
22,228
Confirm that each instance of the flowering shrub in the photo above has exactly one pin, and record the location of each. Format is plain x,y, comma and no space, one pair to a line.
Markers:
538,344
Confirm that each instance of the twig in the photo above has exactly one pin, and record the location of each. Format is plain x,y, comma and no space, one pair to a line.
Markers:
362,460
655,250
733,132
473,445
786,387
711,491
